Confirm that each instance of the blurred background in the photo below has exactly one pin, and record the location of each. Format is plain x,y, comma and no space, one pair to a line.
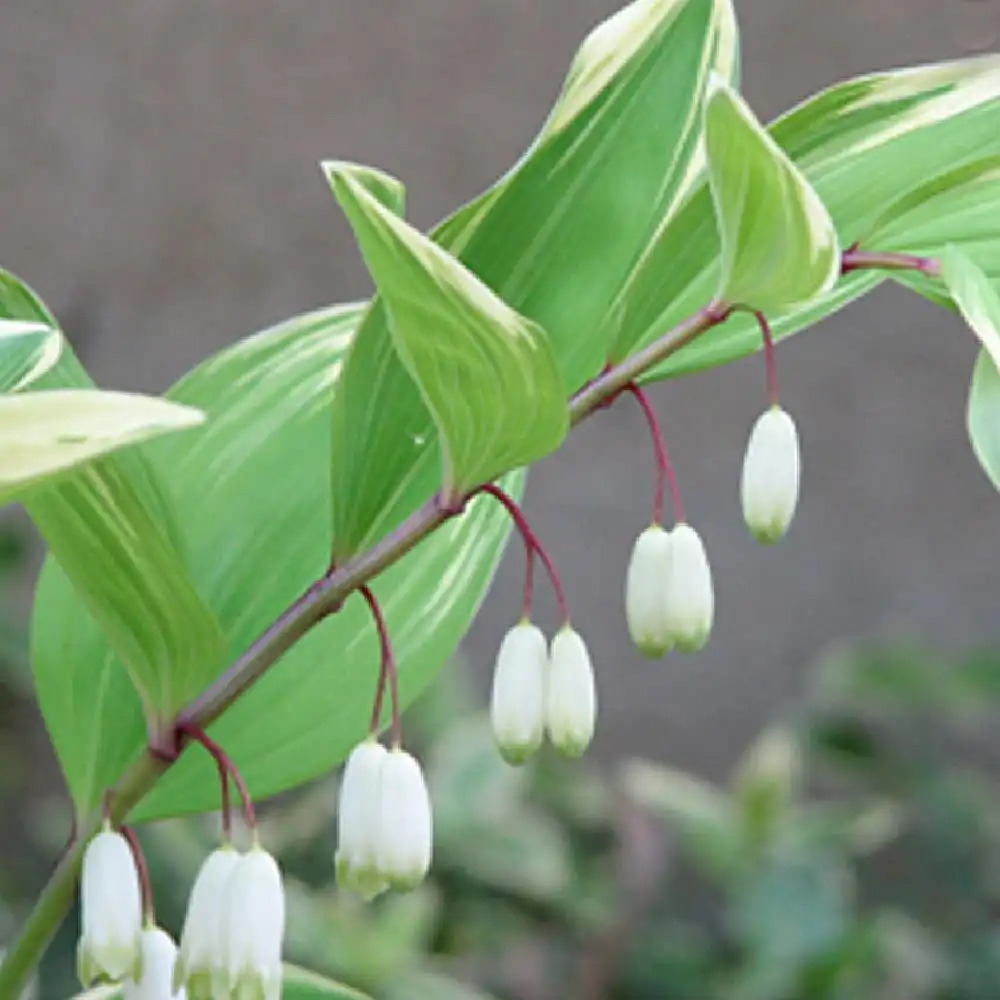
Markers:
159,189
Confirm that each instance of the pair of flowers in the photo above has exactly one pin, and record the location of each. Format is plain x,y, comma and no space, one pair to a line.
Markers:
384,819
539,690
384,822
231,943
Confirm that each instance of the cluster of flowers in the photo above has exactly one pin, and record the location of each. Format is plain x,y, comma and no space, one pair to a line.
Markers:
230,946
669,602
231,942
669,597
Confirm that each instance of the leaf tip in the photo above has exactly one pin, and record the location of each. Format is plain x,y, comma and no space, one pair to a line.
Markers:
363,181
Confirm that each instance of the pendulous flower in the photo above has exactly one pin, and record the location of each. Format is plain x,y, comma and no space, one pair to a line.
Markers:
155,982
646,592
690,593
202,957
571,698
111,911
253,927
769,485
404,833
357,820
517,704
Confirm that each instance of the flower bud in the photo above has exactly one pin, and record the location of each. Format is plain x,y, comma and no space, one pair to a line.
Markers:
156,980
357,820
769,486
111,910
517,705
690,595
202,954
571,700
646,592
253,926
404,837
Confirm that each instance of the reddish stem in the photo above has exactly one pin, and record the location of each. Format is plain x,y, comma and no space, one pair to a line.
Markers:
376,720
225,764
665,474
769,360
853,259
529,579
148,909
387,669
226,807
531,541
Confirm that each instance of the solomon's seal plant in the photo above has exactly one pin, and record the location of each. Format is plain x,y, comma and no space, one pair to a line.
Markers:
275,559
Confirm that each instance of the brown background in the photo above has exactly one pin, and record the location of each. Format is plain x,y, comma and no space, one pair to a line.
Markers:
158,186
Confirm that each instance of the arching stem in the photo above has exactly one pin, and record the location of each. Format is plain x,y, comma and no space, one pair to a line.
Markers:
665,474
770,362
388,671
225,764
531,541
146,887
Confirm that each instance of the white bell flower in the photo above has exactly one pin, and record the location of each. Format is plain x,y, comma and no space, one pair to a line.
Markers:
202,954
517,704
571,698
357,820
111,910
156,979
253,926
646,592
690,593
404,837
769,485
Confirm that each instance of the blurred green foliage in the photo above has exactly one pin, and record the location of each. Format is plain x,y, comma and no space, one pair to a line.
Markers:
853,854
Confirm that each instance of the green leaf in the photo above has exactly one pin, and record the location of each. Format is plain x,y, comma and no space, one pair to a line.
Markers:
109,528
766,784
676,794
701,813
860,828
983,415
47,434
862,144
612,48
27,351
975,297
959,207
779,244
299,984
106,991
421,984
20,304
269,401
303,984
485,373
250,494
979,304
794,907
30,341
93,715
555,238
955,206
